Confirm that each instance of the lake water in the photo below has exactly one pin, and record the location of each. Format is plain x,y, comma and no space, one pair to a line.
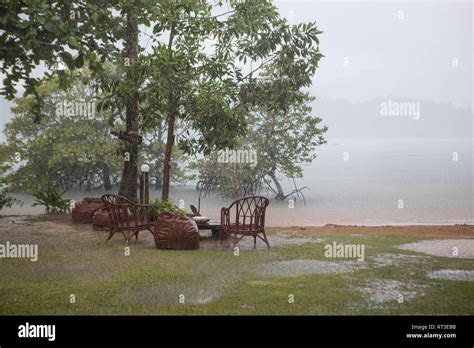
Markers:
362,182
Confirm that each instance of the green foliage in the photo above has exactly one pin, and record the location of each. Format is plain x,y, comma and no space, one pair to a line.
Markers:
63,149
45,32
282,131
7,201
52,200
73,151
5,166
190,74
166,206
5,160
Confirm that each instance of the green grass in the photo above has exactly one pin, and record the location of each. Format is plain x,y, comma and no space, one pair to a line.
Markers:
76,260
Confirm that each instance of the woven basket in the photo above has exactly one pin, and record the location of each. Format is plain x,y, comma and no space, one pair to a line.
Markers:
175,232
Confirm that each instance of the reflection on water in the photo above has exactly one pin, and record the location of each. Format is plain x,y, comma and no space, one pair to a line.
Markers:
363,182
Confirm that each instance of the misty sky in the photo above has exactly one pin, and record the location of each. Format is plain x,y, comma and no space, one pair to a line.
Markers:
385,49
388,56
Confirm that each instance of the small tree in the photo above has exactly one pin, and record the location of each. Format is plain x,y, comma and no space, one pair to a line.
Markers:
5,165
70,146
284,132
229,179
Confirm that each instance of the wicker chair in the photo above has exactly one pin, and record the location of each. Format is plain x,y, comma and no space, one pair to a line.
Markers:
127,217
245,217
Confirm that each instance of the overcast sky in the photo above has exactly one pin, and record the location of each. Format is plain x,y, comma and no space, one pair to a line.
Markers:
403,49
413,50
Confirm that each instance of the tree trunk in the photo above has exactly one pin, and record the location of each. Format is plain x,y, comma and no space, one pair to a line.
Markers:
280,195
165,194
158,170
167,160
106,177
128,184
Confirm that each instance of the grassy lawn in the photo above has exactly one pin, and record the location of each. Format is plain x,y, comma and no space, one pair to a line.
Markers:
76,260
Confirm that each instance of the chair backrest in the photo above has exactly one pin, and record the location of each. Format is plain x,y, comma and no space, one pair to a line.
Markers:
118,208
194,210
250,211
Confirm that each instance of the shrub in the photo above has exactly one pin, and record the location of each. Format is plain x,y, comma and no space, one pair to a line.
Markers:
53,201
166,206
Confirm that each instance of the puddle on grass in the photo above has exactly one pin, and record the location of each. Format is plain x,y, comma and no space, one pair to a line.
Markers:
276,240
174,293
380,291
452,274
389,259
304,267
455,248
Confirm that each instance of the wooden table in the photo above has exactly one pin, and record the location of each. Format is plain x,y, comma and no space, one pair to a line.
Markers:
213,225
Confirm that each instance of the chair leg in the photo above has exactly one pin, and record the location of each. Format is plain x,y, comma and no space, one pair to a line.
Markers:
222,236
236,240
130,236
126,236
151,231
255,242
265,239
111,233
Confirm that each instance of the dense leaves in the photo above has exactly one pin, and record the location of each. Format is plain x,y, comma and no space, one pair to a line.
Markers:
49,32
196,73
164,206
71,146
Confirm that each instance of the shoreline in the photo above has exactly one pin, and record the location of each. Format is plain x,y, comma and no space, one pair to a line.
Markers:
458,230
295,227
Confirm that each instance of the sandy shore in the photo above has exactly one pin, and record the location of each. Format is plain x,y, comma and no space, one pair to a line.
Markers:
427,230
432,231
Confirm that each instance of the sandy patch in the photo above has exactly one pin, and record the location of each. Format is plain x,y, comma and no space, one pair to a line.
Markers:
10,221
303,267
452,274
276,240
420,230
443,247
385,290
388,259
279,239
